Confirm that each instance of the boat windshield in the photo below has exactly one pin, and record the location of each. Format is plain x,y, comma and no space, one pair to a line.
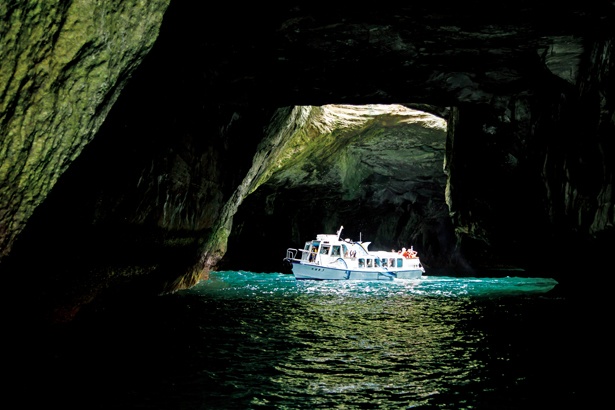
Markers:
360,250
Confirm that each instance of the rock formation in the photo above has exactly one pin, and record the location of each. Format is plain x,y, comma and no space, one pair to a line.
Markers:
133,172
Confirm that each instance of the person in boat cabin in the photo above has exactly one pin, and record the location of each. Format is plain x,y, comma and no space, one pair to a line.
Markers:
313,254
347,251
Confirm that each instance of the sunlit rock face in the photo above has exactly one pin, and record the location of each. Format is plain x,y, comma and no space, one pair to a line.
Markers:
377,170
224,138
62,67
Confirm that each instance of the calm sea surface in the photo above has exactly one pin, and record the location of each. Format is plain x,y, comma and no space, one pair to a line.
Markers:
248,341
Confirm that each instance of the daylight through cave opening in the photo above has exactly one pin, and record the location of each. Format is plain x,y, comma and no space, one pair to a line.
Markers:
375,169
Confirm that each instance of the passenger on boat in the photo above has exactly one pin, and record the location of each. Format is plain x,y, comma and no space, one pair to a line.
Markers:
405,253
313,254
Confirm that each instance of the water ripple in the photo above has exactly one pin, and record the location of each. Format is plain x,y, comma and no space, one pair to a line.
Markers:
250,341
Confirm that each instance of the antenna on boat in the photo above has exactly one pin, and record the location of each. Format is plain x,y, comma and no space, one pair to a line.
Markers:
339,232
359,236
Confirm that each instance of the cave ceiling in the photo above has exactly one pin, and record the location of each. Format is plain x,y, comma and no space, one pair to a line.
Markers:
441,54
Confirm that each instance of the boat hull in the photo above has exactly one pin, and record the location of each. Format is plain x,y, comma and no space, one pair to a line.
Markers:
310,271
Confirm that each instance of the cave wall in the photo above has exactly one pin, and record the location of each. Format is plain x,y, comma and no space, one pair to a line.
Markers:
63,67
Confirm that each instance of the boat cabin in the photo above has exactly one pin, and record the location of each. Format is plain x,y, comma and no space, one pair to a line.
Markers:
327,248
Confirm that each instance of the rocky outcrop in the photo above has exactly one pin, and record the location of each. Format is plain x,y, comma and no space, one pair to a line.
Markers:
63,66
238,129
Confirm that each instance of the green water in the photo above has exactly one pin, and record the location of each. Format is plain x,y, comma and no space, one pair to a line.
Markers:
248,341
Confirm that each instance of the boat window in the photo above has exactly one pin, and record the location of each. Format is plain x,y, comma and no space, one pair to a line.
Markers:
361,262
377,262
369,263
384,262
400,262
345,250
325,249
335,251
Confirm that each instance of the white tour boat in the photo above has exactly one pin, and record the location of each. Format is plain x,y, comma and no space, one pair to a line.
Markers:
328,257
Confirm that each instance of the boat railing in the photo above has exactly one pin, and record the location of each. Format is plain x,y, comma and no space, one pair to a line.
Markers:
291,253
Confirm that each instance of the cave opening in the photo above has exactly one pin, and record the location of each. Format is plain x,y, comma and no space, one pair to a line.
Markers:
377,169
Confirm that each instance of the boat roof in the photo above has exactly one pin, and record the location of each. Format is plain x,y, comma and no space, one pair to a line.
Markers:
335,239
327,238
